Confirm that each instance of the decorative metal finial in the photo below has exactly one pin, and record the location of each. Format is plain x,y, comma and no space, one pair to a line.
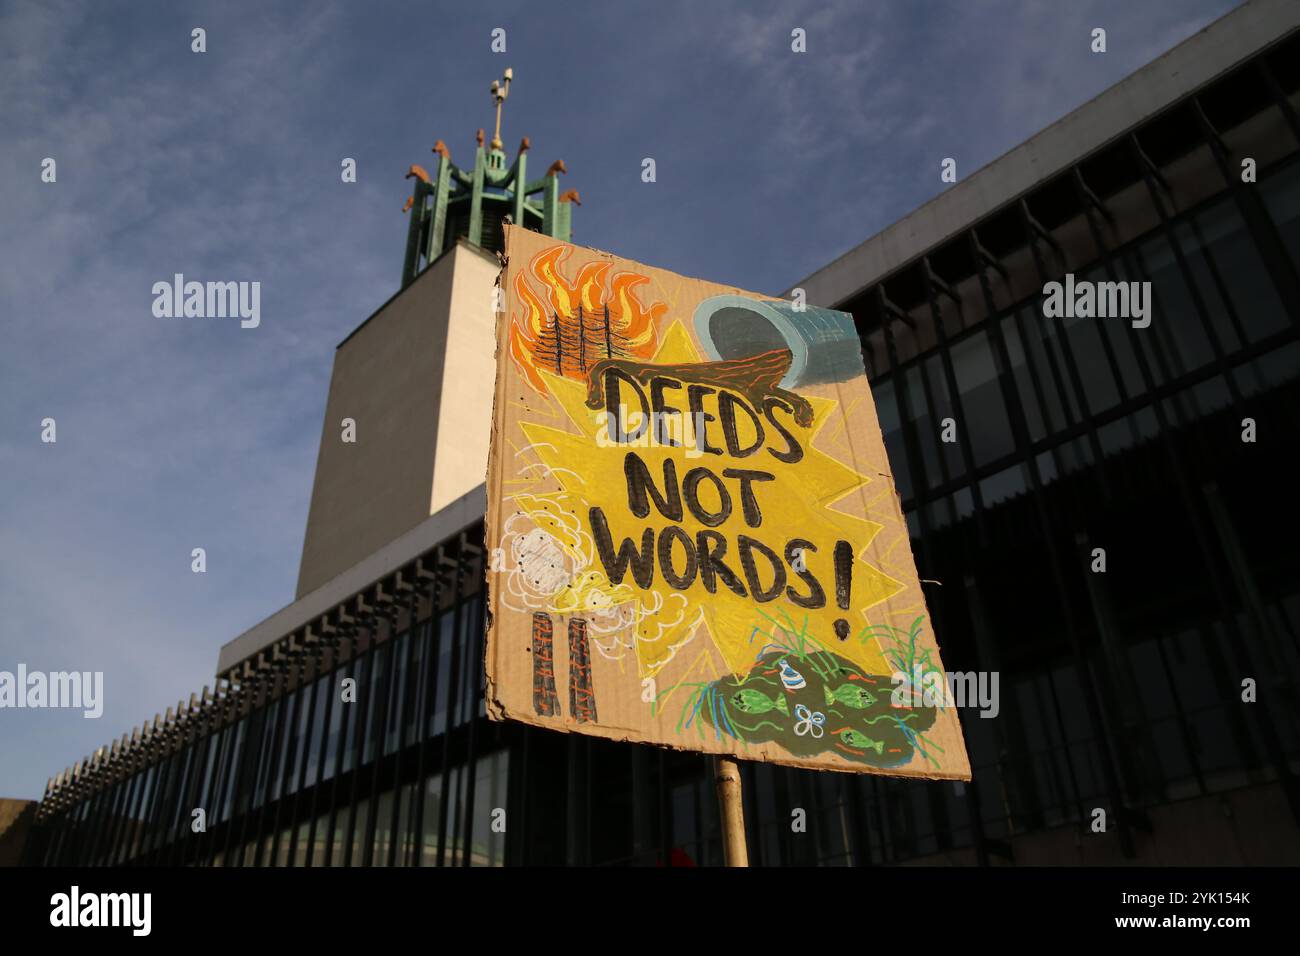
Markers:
500,90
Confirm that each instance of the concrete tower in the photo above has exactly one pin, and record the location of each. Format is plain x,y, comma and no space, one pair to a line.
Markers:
389,456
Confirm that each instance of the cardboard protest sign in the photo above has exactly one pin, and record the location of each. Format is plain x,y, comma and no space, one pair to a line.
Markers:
694,537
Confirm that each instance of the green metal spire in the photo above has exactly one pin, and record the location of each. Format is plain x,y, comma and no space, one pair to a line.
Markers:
453,203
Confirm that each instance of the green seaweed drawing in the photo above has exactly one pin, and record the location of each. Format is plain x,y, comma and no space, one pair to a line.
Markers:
810,700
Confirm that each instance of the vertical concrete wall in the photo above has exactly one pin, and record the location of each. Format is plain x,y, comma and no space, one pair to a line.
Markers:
468,381
430,349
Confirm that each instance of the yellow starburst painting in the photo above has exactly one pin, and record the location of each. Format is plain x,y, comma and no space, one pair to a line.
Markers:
694,536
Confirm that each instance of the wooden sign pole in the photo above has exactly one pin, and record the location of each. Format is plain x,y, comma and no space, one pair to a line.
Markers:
726,772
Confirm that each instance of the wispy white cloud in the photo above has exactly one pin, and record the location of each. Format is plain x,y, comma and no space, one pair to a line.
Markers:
859,124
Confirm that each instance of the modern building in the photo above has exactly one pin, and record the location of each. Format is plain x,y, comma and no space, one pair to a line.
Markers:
1162,690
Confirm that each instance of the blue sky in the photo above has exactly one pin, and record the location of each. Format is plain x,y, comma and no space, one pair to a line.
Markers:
175,434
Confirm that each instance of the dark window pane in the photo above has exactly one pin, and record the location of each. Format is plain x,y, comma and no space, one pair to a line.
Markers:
301,743
1197,235
945,418
352,746
1281,193
443,686
981,399
418,669
232,761
1177,326
333,749
396,695
1280,365
1024,383
432,817
489,842
320,692
1040,335
925,425
358,833
1212,395
1005,484
289,733
1121,336
1084,336
1128,431
376,700
383,828
891,429
206,793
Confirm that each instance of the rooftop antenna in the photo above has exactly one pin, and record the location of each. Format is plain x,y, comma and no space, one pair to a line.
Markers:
500,90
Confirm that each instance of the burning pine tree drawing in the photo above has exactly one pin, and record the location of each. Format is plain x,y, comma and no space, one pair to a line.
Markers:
565,326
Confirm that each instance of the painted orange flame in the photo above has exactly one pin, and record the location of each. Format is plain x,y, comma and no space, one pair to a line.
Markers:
566,326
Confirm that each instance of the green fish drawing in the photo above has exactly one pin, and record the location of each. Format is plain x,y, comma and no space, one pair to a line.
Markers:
859,698
851,738
756,702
